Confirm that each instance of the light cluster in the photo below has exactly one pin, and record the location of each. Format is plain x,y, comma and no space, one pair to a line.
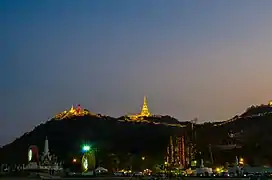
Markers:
73,112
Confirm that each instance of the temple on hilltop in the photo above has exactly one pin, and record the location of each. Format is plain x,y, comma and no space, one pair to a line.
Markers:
78,111
144,112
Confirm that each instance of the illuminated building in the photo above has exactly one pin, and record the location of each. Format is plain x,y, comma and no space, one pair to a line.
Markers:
270,103
144,112
78,111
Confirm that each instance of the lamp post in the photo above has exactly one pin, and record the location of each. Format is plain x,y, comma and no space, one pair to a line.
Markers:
88,159
143,162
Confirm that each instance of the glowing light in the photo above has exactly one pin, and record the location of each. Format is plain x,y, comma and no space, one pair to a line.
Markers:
85,164
74,160
241,161
143,158
78,111
86,148
30,155
145,111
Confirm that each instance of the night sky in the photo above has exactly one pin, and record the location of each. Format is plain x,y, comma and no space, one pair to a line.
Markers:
209,59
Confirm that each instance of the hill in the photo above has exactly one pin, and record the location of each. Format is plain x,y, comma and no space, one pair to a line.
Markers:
133,137
250,132
106,134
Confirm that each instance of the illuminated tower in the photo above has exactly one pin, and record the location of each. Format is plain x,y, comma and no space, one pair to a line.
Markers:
172,160
72,110
145,111
182,152
78,108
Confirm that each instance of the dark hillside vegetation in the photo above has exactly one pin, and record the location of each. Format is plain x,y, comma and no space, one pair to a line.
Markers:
149,138
106,134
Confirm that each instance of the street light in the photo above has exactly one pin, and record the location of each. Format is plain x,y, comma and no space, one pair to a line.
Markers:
241,161
86,148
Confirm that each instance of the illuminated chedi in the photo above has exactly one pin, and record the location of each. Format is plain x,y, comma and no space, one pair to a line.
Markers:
73,112
144,112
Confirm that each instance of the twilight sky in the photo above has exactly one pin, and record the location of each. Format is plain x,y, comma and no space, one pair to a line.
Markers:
193,58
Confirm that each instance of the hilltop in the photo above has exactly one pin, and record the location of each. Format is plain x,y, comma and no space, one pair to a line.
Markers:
145,135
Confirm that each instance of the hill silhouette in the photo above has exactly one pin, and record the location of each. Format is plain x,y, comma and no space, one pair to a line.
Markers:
148,137
106,134
251,130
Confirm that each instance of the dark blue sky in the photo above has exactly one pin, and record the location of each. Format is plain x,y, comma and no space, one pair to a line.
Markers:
192,58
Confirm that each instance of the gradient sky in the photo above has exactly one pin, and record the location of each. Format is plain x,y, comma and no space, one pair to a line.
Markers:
209,59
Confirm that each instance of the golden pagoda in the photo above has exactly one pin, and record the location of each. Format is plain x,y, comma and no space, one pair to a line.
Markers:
72,110
144,112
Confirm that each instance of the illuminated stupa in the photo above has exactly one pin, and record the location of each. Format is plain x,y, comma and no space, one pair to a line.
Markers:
144,112
270,103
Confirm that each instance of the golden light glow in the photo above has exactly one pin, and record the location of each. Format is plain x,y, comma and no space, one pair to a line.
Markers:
241,161
73,112
219,169
144,112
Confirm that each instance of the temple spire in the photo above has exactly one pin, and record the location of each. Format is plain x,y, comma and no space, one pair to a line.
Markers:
145,111
72,109
46,147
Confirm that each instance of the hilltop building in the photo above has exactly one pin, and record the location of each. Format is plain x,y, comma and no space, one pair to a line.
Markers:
144,112
78,111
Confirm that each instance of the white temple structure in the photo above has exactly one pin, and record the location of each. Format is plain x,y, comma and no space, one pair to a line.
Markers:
46,158
46,163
